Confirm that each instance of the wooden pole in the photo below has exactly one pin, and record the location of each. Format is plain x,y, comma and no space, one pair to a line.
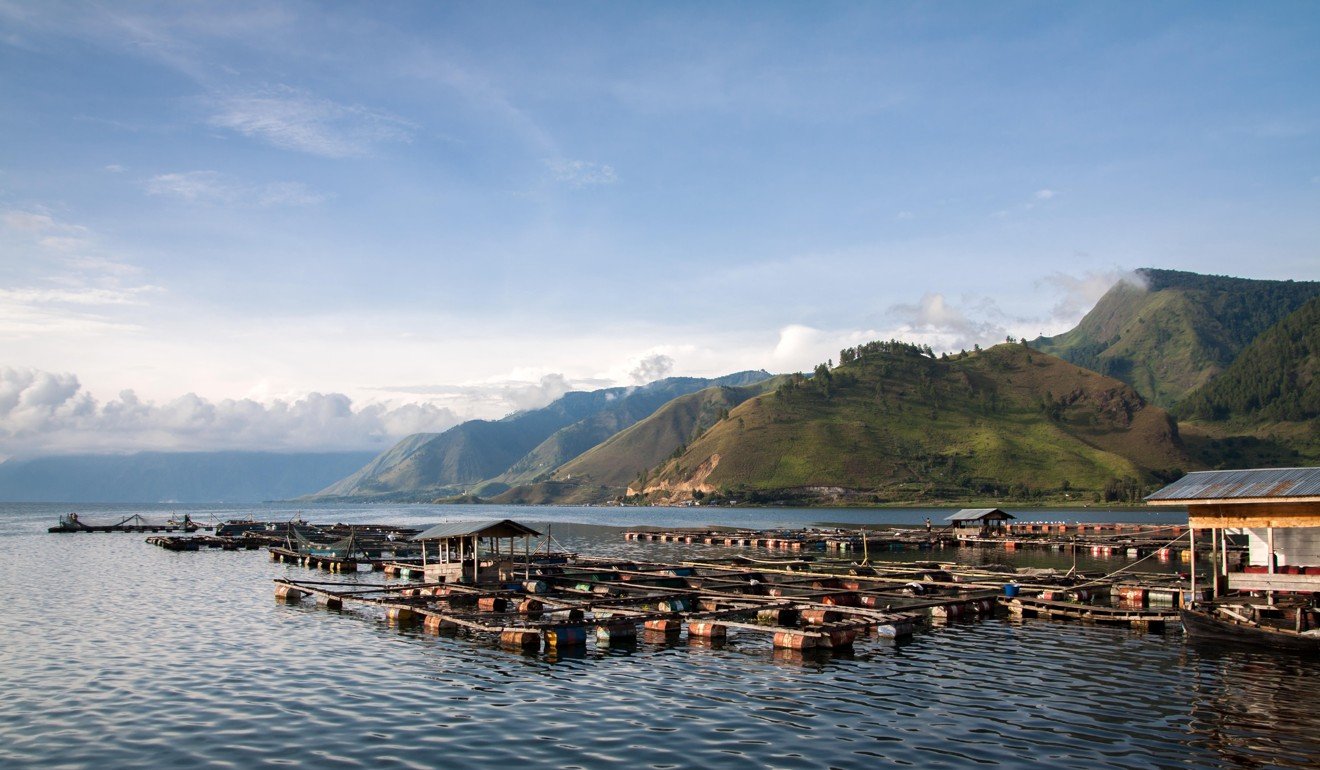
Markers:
1269,533
1224,554
1191,537
1214,562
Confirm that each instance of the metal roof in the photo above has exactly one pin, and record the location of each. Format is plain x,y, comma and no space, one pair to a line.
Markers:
976,514
1233,485
493,528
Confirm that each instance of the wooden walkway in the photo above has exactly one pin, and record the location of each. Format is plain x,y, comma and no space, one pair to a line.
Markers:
1031,607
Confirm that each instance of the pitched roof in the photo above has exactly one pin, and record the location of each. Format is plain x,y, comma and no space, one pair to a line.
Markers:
493,528
1255,483
976,514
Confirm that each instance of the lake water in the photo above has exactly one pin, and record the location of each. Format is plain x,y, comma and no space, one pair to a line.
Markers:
114,653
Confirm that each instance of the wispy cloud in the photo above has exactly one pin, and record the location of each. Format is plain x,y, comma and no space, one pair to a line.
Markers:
214,187
61,280
43,412
581,173
292,119
1078,294
498,396
936,321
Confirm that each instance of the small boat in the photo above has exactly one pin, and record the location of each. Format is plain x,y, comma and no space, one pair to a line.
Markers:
1239,625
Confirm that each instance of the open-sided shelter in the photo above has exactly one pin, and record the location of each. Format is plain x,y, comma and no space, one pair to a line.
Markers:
453,552
1277,508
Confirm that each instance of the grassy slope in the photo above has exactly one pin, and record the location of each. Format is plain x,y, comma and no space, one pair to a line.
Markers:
606,469
891,421
430,465
573,440
1178,335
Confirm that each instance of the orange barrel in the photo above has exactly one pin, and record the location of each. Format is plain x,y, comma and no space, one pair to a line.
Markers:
706,630
788,640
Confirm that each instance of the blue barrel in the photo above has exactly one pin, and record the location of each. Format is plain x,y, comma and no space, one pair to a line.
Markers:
1011,589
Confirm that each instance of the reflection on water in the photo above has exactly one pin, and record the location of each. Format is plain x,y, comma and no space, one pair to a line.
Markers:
116,653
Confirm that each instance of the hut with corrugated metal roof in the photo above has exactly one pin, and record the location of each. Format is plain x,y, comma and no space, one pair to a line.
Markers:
1278,509
454,552
989,520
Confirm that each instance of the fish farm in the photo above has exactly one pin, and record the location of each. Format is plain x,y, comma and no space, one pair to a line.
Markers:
484,581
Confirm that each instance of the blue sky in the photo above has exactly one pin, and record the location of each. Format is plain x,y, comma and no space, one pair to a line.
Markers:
422,212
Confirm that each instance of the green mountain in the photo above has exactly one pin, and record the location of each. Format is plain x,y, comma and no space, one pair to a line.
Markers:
479,453
1266,405
894,423
1176,332
604,471
570,441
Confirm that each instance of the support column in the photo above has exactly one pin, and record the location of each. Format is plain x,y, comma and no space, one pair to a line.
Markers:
1214,562
1191,538
1269,556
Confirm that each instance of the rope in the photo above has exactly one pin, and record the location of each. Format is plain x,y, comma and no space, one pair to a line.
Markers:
1120,570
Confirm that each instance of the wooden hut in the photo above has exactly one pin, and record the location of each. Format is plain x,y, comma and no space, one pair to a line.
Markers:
1278,509
989,520
454,552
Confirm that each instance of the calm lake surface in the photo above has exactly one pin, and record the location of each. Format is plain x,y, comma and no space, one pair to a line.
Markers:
115,653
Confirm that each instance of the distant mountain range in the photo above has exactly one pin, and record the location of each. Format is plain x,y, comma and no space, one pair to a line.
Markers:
183,477
1171,372
488,456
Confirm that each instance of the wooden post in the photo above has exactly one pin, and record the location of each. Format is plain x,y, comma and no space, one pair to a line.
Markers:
1191,538
1214,562
1224,551
1269,557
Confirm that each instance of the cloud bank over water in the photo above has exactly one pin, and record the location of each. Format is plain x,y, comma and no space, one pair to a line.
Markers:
50,413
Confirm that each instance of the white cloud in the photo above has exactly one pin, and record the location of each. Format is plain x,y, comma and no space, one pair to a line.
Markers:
581,173
60,281
44,413
1080,293
905,215
291,119
86,296
935,321
651,368
190,186
1044,195
214,187
30,221
501,396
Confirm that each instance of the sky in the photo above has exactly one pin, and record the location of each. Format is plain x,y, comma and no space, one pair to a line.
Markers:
286,225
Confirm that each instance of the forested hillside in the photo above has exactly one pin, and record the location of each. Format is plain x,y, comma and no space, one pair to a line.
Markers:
1170,332
894,422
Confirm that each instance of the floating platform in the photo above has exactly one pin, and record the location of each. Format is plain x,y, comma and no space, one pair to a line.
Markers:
1035,607
134,523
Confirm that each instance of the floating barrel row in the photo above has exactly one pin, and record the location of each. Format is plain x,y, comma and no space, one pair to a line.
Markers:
825,629
1060,528
739,540
327,563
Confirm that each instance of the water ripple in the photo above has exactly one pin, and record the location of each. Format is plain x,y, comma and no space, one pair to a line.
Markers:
115,653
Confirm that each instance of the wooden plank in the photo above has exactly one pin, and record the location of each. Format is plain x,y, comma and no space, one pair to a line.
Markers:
1255,581
1288,515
